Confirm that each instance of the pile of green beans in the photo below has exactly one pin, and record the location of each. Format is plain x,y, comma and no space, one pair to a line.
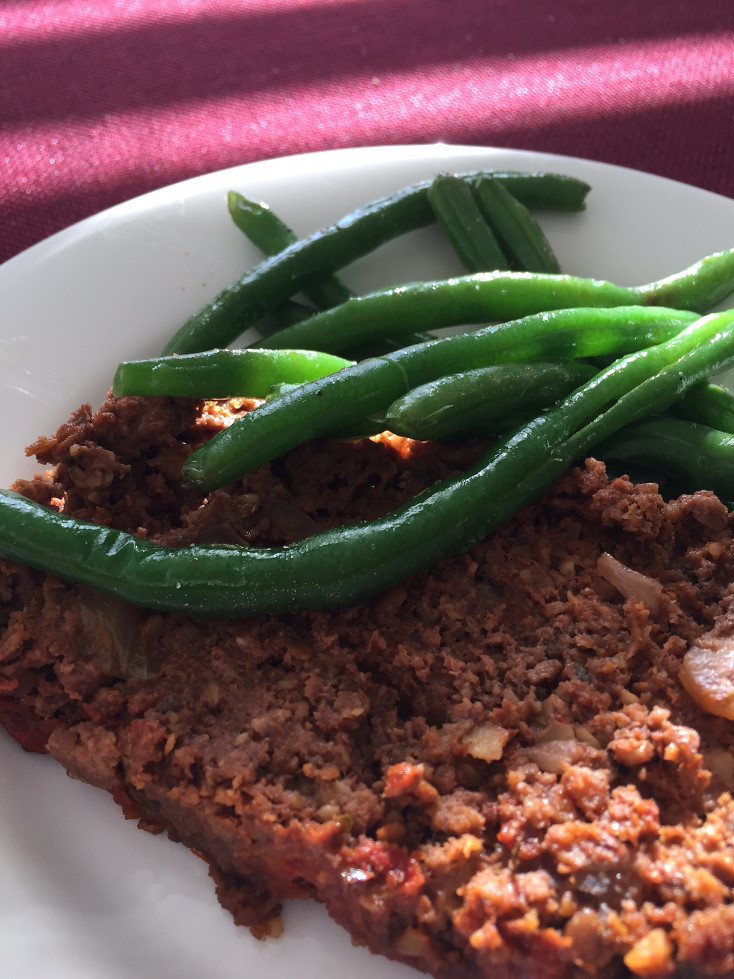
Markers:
491,296
244,302
527,375
473,238
338,567
348,398
343,401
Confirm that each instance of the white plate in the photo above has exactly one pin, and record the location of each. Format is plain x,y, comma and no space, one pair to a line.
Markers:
83,893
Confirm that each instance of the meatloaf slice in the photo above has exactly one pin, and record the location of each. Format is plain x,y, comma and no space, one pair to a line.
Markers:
491,769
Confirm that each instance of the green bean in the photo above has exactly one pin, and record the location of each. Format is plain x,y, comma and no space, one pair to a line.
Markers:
699,287
222,373
271,235
483,402
287,314
519,233
343,402
542,191
694,455
341,566
385,345
464,225
491,296
709,404
282,387
241,304
700,350
463,301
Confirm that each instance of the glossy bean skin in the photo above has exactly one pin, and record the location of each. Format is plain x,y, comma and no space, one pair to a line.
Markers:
693,455
519,234
271,235
463,223
222,373
484,402
708,404
244,302
345,402
493,296
699,287
346,565
464,301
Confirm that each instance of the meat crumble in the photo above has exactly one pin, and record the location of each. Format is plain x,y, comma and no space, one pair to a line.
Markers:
491,769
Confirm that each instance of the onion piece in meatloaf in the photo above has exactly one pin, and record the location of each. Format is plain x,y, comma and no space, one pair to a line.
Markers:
492,769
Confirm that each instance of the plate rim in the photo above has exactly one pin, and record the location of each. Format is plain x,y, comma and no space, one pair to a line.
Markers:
407,151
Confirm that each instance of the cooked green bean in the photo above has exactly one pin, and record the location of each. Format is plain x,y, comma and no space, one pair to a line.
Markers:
282,387
338,567
222,373
699,287
694,455
385,345
463,301
287,314
464,225
709,404
485,297
343,402
483,402
241,304
519,234
271,235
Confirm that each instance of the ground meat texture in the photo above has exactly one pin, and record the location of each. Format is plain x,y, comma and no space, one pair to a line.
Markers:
490,769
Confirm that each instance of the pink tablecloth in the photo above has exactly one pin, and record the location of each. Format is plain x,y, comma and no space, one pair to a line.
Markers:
102,101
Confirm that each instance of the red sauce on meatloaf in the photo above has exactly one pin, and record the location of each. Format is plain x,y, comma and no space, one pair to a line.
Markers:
491,769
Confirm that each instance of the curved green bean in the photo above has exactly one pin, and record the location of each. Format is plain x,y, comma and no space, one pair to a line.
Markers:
484,402
694,455
491,296
244,302
272,235
338,567
709,404
342,402
699,287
